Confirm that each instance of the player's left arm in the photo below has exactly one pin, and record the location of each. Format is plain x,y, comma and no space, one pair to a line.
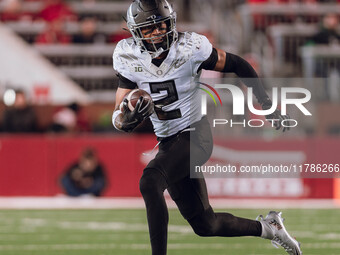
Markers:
222,61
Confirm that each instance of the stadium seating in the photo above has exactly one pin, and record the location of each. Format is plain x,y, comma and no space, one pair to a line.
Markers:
273,33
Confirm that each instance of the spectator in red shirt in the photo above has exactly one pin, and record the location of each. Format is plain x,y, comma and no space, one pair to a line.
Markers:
262,21
54,34
12,11
56,10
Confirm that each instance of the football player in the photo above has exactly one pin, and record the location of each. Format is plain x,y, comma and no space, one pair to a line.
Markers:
166,64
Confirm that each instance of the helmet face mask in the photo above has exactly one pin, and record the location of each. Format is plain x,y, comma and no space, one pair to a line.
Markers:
143,17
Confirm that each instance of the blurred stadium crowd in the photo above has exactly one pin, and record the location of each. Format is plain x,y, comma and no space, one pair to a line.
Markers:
280,38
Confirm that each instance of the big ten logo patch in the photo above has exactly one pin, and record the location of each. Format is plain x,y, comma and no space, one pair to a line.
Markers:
138,69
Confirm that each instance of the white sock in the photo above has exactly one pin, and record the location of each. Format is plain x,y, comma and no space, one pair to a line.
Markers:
267,231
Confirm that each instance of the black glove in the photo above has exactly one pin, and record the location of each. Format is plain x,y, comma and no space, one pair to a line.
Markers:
276,118
131,119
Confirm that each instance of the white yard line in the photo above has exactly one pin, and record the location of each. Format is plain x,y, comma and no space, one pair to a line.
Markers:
132,246
62,202
183,246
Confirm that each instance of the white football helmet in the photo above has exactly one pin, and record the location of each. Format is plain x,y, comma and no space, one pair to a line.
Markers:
144,13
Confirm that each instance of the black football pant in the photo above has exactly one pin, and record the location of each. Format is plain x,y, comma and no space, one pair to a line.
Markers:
170,169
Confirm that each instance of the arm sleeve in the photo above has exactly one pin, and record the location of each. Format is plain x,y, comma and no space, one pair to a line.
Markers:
239,66
210,63
125,83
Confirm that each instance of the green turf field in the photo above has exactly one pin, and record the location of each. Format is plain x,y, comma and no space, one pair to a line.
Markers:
124,232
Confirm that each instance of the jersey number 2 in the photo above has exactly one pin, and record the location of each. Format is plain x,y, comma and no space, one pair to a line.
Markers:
170,88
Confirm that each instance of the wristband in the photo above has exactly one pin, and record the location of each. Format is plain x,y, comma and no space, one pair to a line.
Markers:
114,116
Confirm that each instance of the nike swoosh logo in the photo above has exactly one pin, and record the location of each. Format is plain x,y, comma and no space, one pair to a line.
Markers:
133,122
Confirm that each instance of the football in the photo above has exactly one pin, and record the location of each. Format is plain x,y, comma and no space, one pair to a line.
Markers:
133,97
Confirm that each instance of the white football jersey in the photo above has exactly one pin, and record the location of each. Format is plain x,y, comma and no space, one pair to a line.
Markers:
173,85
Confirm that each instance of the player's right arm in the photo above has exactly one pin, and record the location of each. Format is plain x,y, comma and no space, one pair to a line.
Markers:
118,114
125,120
120,94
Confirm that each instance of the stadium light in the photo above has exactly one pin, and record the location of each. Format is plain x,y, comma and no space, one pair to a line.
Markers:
9,97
